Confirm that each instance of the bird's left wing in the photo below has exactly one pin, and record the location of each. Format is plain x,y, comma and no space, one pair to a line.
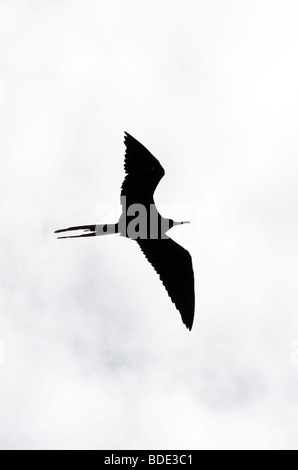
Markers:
174,265
143,172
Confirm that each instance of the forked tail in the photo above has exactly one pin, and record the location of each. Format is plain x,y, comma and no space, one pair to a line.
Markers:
92,230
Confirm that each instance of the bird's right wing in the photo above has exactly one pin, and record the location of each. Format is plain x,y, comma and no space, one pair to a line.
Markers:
143,172
174,265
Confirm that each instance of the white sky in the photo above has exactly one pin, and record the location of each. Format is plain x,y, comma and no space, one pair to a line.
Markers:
93,354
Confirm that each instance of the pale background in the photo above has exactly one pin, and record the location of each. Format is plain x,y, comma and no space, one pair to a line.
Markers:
93,354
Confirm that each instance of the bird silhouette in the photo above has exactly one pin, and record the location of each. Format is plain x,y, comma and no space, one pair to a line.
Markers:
141,221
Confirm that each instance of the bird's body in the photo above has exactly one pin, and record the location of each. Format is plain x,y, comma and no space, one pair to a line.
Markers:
141,221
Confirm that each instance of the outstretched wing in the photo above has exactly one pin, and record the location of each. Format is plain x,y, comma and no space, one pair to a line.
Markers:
174,266
143,172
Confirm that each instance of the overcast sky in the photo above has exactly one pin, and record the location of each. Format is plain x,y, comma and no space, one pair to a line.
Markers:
93,354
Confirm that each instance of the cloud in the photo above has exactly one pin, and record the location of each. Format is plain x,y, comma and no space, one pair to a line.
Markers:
96,355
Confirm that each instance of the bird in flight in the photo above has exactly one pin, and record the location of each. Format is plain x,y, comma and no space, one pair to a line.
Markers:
141,221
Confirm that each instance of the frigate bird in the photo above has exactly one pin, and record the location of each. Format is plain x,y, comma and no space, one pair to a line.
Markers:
141,221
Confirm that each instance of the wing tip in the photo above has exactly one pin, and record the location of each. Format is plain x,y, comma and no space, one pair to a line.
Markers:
189,325
187,320
127,135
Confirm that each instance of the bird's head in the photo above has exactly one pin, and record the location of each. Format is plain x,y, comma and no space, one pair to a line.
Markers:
173,223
